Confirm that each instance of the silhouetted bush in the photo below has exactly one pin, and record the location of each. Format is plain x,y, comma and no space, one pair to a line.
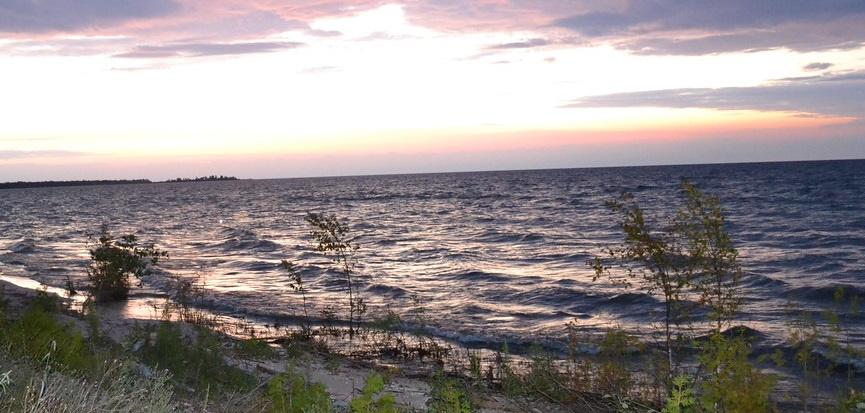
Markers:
114,260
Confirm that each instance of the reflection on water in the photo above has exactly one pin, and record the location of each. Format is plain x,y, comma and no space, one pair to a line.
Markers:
31,284
490,256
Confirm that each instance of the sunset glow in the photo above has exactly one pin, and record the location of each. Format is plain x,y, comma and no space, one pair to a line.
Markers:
108,94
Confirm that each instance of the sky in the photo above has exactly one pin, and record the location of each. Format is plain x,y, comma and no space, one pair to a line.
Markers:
264,88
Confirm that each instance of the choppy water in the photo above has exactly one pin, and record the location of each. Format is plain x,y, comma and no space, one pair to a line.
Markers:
492,256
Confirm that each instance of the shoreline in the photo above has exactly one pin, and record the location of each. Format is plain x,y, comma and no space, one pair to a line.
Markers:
409,378
106,182
342,376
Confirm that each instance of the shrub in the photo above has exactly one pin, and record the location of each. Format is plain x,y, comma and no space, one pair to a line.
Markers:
196,362
613,376
114,260
508,377
448,396
681,397
292,393
543,378
734,385
854,403
371,399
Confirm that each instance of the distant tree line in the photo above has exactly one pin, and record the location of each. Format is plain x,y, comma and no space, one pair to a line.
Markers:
204,178
48,184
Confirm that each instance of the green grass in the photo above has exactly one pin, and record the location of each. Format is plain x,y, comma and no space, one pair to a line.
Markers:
292,393
196,362
29,386
255,349
448,395
373,399
39,337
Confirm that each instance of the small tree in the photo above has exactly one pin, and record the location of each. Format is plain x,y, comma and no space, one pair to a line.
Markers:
655,259
330,236
114,260
693,254
733,384
713,259
296,284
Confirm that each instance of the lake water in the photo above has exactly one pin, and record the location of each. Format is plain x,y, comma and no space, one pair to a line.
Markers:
491,256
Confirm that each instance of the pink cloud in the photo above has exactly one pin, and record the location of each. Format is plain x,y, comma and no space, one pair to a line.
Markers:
660,27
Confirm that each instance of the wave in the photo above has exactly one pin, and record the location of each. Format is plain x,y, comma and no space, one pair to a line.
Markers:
827,293
551,296
754,280
24,246
629,299
387,290
245,240
482,276
478,245
506,237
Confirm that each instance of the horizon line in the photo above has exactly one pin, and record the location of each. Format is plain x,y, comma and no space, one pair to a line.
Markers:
647,165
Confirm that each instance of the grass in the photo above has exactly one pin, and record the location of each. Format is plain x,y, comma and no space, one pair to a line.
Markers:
32,388
290,392
450,395
38,336
49,366
255,349
373,398
194,359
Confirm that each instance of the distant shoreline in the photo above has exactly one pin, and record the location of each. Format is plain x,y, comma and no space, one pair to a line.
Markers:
57,184
48,184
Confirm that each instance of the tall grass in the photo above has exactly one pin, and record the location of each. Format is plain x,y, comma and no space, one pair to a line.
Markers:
118,389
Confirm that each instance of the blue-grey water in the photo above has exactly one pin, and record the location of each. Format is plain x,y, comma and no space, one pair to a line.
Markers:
492,256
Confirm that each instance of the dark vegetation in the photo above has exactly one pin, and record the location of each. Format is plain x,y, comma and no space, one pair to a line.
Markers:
53,184
114,260
204,179
189,360
49,184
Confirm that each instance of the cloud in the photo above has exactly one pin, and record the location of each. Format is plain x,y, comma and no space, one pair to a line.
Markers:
206,49
521,45
244,23
493,15
323,33
72,46
658,15
702,27
836,95
817,66
13,154
88,27
29,16
139,68
319,69
676,27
